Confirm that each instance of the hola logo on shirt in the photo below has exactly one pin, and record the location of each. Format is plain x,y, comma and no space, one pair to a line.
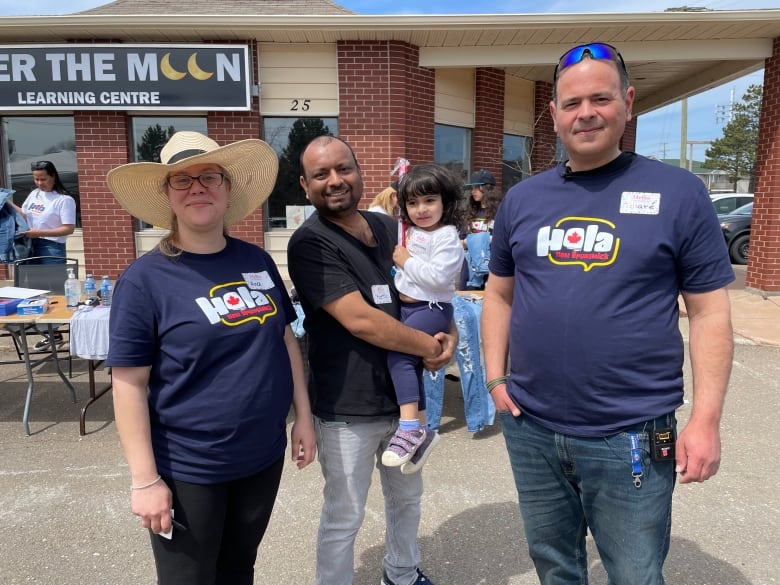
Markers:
233,303
36,208
583,241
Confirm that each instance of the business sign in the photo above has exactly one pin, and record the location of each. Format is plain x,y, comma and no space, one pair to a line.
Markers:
124,77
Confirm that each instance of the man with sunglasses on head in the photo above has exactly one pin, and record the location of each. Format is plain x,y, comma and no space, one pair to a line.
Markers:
587,262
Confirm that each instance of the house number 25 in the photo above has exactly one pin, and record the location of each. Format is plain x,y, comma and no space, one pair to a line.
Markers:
302,105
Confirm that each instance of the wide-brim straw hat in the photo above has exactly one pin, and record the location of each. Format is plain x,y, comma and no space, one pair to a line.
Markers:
250,165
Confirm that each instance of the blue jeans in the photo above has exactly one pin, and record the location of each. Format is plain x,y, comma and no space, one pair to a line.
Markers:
478,406
567,485
348,453
477,259
44,247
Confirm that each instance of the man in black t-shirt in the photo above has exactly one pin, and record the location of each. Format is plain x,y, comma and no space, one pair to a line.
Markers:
340,261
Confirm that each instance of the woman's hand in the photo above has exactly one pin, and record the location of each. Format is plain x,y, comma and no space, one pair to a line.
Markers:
303,441
32,233
153,504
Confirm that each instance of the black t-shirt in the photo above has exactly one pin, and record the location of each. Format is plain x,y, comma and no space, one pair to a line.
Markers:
348,378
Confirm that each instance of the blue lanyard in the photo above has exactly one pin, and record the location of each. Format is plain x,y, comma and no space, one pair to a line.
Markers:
636,460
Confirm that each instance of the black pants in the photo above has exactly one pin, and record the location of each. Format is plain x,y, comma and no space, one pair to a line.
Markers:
224,526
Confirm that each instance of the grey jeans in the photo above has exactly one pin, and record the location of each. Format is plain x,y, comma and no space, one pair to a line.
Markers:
348,453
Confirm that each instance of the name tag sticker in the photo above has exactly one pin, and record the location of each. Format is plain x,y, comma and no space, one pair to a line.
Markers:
633,202
258,280
381,294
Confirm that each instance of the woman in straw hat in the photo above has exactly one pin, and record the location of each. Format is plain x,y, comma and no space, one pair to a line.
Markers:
204,363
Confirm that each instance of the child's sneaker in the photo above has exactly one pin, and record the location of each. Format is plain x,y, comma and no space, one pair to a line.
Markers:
402,446
421,455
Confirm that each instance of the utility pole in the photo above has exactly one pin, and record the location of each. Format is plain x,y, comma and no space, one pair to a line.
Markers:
690,146
725,113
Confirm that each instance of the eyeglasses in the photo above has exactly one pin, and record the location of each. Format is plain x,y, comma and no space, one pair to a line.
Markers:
41,165
599,51
182,182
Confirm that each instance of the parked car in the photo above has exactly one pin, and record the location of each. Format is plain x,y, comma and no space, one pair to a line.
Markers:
736,230
728,202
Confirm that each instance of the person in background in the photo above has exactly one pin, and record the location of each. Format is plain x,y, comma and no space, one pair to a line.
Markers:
204,363
386,201
481,209
50,212
340,262
428,262
588,260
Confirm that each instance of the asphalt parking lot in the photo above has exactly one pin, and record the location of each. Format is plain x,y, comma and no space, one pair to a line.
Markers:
64,499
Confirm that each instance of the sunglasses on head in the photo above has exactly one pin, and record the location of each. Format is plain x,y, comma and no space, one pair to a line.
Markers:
599,51
41,165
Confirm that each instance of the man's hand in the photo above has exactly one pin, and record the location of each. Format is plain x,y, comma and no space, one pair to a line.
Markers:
698,452
449,343
503,402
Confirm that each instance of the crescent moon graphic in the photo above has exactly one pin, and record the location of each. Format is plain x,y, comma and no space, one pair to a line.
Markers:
168,71
195,70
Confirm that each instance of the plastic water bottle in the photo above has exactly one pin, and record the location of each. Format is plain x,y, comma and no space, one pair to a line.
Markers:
90,289
72,290
106,289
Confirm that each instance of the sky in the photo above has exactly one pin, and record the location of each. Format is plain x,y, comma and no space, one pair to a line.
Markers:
658,132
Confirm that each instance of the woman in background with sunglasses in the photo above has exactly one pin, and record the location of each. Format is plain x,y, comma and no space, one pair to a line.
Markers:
51,213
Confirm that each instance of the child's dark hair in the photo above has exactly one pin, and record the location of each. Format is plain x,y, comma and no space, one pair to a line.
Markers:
433,179
491,199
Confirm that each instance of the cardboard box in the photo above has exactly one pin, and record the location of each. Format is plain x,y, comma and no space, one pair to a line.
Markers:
8,306
33,306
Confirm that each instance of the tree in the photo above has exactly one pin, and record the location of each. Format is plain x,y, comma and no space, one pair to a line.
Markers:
287,190
735,152
152,141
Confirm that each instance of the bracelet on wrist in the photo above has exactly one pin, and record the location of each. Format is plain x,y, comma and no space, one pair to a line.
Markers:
134,488
496,382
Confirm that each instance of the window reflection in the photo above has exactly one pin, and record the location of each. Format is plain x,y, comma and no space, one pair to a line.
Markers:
517,160
452,148
288,137
26,139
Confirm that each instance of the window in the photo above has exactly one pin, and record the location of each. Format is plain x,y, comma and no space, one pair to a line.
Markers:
149,135
452,148
29,139
516,161
288,136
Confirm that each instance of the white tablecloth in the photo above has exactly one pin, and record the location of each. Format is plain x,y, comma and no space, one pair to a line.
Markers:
89,332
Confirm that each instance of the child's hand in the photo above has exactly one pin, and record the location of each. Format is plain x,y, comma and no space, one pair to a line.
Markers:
401,255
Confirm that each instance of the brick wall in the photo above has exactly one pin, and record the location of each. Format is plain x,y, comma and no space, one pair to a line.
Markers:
101,145
763,272
628,141
488,137
385,107
543,152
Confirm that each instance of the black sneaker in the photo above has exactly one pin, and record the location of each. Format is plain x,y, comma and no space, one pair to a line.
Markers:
421,579
44,343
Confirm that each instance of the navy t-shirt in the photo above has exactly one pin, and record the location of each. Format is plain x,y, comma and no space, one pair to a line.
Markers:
211,326
598,260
